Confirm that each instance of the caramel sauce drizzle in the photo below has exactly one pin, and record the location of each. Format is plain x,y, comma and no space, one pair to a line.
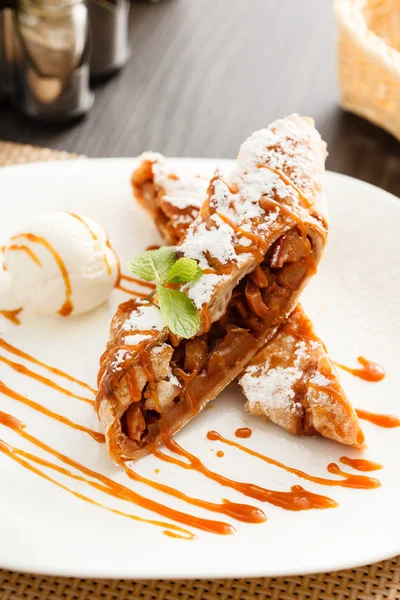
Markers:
335,469
332,391
67,307
295,500
16,453
246,234
360,464
25,371
232,187
28,251
240,512
269,204
118,280
134,390
148,284
12,315
118,490
17,352
386,421
350,481
209,271
220,453
286,180
95,237
243,432
370,370
131,292
145,362
98,437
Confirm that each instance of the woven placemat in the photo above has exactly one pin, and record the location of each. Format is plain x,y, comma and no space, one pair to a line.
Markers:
17,154
378,582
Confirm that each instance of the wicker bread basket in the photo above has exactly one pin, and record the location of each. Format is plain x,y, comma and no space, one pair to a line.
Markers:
369,60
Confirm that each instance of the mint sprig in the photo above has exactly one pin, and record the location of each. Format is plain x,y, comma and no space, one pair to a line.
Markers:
154,265
184,270
164,268
178,311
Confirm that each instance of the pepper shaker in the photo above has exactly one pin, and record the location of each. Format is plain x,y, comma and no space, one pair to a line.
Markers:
109,25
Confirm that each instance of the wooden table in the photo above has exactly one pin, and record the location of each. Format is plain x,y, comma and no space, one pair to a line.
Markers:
205,73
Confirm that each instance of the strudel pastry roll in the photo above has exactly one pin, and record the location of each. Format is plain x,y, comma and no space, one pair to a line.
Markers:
280,382
172,200
293,382
258,238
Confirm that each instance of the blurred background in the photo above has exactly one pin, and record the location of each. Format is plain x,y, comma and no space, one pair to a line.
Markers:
201,75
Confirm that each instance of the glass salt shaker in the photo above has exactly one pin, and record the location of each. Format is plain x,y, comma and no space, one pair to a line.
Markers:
52,58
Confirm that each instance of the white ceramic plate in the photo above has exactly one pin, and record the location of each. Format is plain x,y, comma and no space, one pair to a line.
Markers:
354,302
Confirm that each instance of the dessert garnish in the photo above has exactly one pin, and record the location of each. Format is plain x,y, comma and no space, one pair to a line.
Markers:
163,267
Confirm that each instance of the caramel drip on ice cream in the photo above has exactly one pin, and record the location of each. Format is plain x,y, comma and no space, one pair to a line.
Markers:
67,308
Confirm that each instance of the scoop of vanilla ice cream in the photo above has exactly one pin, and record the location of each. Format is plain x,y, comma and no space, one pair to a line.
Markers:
61,263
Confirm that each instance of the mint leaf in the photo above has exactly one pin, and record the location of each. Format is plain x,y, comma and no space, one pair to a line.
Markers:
178,311
153,265
199,273
160,265
184,270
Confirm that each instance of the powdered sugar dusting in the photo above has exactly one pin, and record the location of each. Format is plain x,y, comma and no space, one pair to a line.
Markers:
314,344
174,380
277,148
184,192
272,388
145,318
260,197
134,340
216,241
320,380
281,148
119,358
253,177
179,190
158,349
300,353
202,290
323,399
